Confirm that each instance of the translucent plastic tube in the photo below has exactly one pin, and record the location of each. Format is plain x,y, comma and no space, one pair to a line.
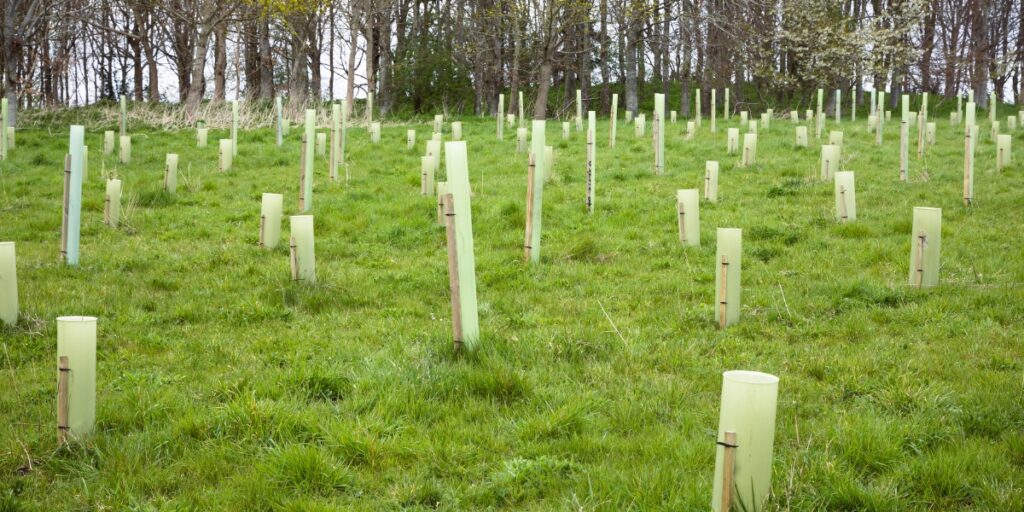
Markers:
375,132
434,152
74,204
829,161
270,220
112,204
438,123
108,142
566,130
925,246
457,168
732,144
171,173
749,155
126,149
279,113
835,138
500,130
1004,156
537,143
11,132
410,139
846,197
76,340
321,144
305,254
801,136
427,175
334,160
8,284
728,267
748,408
711,181
688,212
310,138
201,135
457,130
225,155
234,127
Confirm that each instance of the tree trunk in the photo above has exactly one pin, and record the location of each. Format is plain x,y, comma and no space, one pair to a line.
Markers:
220,63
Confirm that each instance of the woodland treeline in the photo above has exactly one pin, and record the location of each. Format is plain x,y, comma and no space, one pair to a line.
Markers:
420,56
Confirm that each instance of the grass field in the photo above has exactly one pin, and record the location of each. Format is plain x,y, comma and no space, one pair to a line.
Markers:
224,386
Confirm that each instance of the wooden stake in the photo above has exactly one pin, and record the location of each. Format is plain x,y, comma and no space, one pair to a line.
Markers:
922,241
67,201
723,296
263,226
527,244
106,210
728,469
654,134
707,183
294,258
681,208
842,203
440,209
62,399
453,270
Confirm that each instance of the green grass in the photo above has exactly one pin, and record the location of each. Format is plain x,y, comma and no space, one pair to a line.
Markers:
224,386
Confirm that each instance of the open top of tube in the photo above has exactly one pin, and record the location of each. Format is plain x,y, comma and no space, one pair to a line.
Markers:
749,377
76,319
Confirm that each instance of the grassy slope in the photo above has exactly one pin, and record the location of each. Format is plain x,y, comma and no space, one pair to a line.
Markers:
222,385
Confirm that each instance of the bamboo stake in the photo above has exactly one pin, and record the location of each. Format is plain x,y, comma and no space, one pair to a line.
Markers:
922,241
294,259
67,200
728,469
453,270
842,203
62,399
528,242
723,296
681,208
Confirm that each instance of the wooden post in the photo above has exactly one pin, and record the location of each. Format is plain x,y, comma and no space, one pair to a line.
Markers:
728,467
723,294
263,227
922,242
106,209
842,204
67,201
681,208
293,259
528,242
453,269
63,370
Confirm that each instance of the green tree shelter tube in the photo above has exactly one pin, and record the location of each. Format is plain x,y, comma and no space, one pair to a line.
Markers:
748,408
659,143
537,144
303,252
112,203
74,197
126,149
279,115
225,155
335,141
688,210
925,246
307,182
234,128
4,113
270,220
728,269
108,142
124,115
500,124
8,284
171,173
457,167
846,197
76,340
